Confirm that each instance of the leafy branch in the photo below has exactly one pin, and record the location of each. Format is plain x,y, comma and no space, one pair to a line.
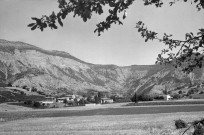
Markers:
190,53
84,9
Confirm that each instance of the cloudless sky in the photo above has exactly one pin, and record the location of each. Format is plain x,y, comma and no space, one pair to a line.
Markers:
121,45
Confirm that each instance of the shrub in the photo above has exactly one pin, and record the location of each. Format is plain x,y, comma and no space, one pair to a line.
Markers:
145,97
192,91
29,102
22,93
176,96
34,89
201,92
36,105
159,97
9,84
180,124
180,92
86,102
142,97
97,100
81,102
90,99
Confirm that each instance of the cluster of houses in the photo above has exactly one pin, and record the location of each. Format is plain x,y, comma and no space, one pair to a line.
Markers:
70,100
73,99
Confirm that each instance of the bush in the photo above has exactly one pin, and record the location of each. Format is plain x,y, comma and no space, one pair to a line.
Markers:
142,97
36,105
145,98
176,96
180,92
29,102
22,93
34,89
24,87
9,84
91,100
180,124
86,102
159,97
81,102
201,92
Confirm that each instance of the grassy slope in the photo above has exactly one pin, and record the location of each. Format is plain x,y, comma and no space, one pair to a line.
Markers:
148,124
9,95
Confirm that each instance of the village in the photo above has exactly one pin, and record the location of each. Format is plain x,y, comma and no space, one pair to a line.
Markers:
41,100
31,97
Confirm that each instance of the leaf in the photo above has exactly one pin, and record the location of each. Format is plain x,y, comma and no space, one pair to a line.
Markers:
41,28
34,27
84,19
124,15
54,26
60,22
31,24
34,18
112,4
63,15
100,11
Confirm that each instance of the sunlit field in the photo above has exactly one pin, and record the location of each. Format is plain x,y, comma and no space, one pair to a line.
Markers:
138,124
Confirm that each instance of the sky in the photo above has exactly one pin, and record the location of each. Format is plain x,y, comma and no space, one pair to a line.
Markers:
121,45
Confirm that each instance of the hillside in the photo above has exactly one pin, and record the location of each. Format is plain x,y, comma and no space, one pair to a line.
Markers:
59,72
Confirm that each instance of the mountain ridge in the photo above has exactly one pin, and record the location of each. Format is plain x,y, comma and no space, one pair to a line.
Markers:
58,72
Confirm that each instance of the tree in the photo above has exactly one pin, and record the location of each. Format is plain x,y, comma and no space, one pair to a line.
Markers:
33,89
9,84
36,104
180,92
190,51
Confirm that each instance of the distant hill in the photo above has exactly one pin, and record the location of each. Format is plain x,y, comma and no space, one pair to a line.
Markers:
58,72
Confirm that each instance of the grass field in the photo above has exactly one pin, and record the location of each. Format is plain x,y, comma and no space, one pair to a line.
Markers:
110,119
170,102
140,124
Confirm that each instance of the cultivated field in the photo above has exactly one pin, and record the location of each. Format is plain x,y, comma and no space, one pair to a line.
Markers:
110,119
139,124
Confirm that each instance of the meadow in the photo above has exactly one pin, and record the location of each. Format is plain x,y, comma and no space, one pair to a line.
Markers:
110,119
138,124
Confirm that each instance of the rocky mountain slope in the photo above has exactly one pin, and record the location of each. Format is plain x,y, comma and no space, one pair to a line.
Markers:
54,71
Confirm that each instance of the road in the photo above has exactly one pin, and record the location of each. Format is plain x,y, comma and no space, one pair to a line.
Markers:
9,116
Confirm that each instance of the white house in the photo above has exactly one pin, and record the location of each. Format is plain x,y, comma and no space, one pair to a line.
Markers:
69,98
106,100
167,97
48,100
